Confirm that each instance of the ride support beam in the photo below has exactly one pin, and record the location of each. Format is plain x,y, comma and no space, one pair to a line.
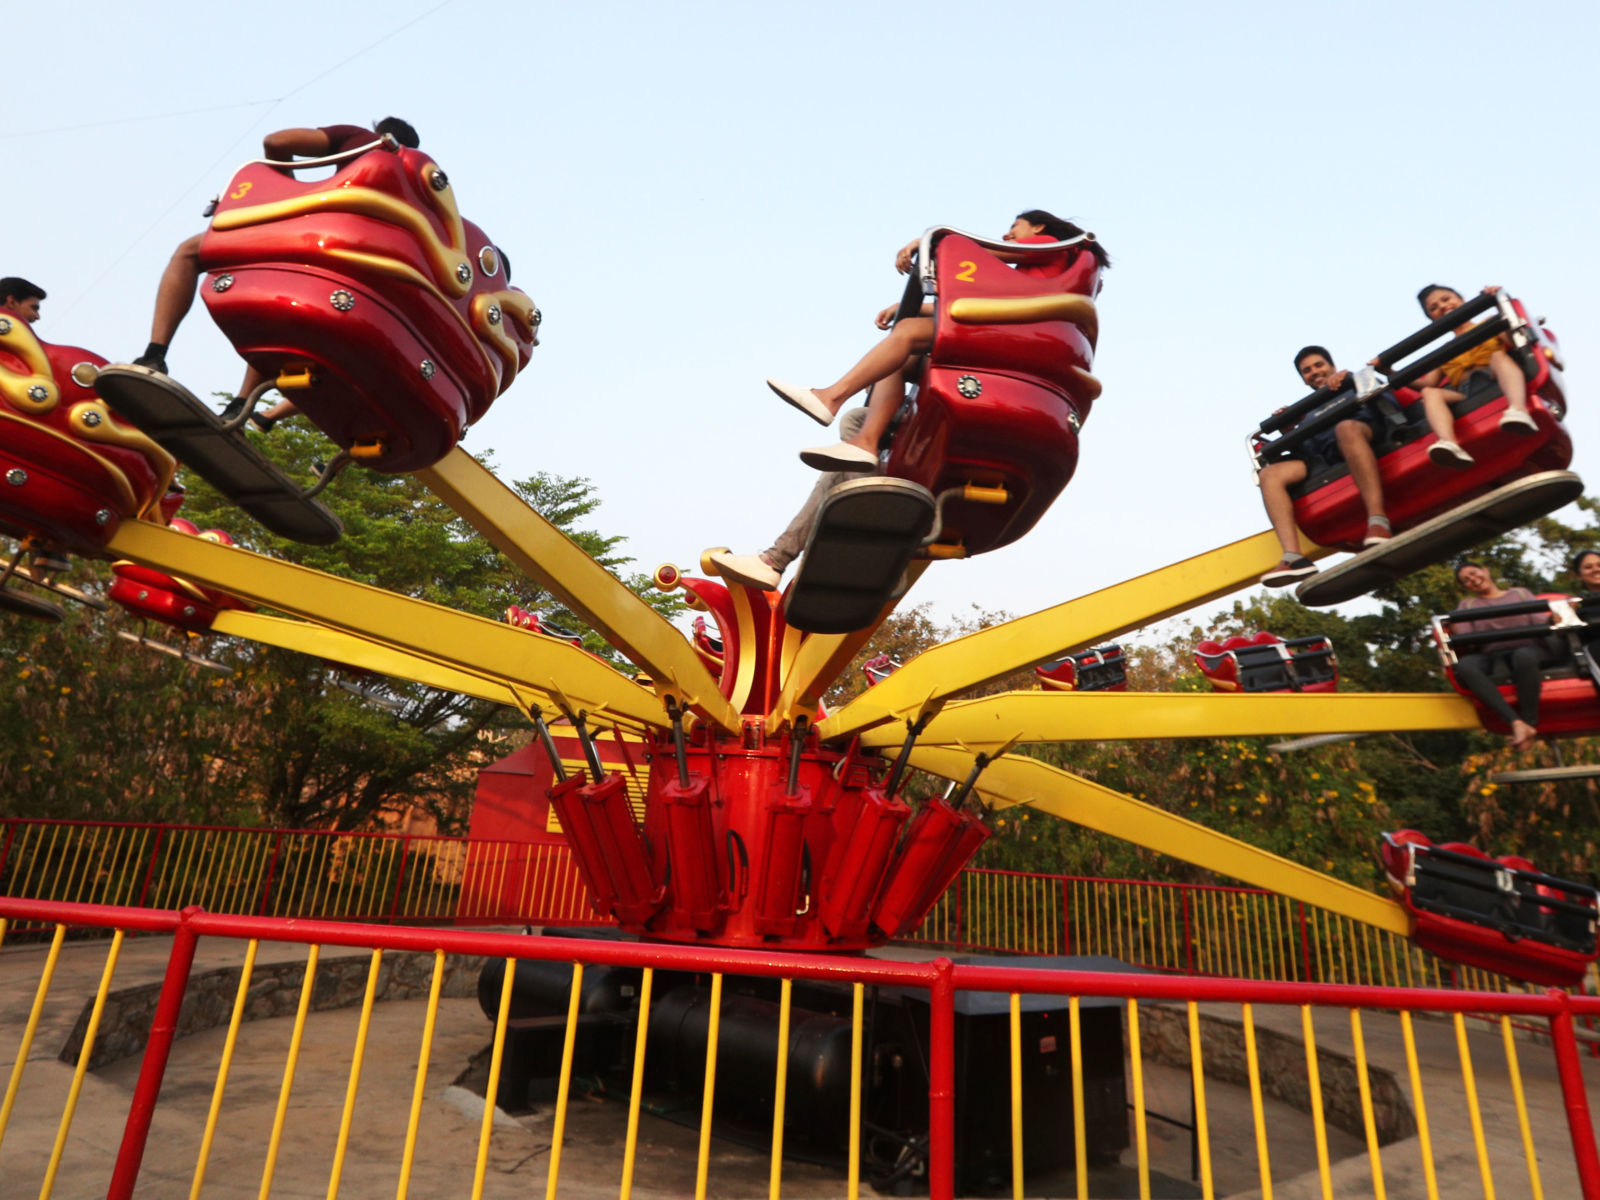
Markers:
1122,716
485,648
1015,780
967,662
559,564
303,637
822,656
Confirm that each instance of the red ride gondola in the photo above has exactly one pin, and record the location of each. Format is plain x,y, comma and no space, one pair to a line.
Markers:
1569,692
1420,495
1500,914
1265,662
988,435
146,592
382,313
994,419
1102,669
72,470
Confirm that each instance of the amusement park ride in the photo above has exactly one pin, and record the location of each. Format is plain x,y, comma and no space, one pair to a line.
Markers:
767,822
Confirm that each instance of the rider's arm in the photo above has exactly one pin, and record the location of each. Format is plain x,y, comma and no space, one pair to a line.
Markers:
286,144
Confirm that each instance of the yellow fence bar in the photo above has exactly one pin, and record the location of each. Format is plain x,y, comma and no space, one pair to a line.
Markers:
713,1028
429,1020
564,1087
630,1145
1368,1121
491,1091
1080,1140
82,1068
1141,1133
1424,1138
1314,1086
357,1057
232,1039
857,1028
1016,1095
1202,1126
31,1028
1526,1129
1469,1085
1257,1113
308,985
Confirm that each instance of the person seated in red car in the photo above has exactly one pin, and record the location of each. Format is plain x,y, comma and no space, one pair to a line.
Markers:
883,367
175,294
1451,382
1351,439
1523,655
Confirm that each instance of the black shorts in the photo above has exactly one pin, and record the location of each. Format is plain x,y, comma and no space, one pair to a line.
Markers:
1325,445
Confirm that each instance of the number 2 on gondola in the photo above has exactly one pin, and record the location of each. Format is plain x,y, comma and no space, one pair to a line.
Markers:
965,273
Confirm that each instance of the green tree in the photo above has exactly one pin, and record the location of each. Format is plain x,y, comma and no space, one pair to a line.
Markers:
102,728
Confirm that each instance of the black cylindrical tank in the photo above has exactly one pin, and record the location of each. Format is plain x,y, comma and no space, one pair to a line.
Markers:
544,989
817,1100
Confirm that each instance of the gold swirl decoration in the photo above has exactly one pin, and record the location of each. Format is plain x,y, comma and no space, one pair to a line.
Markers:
445,258
35,393
93,422
1016,310
510,304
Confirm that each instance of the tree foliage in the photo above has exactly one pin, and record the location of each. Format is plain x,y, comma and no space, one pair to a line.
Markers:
102,728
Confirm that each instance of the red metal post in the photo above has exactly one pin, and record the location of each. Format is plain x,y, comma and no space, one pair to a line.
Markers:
1066,915
1305,942
5,851
1188,936
150,868
1579,1123
272,868
399,878
942,1083
163,1028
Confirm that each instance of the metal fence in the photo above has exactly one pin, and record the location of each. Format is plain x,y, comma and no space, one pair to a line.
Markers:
1275,1071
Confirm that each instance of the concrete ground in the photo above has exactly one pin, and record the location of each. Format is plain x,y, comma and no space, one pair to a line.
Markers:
519,1154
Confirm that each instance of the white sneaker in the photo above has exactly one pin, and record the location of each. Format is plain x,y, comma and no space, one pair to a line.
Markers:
749,569
1519,422
841,456
804,399
1448,454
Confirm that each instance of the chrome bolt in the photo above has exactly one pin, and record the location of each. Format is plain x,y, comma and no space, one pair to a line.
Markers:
970,386
188,610
537,319
144,593
103,517
464,272
16,477
342,300
427,368
438,180
91,419
39,393
494,314
1074,420
222,283
5,326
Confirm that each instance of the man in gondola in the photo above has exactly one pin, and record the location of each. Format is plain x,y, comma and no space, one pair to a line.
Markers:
20,298
175,295
1350,439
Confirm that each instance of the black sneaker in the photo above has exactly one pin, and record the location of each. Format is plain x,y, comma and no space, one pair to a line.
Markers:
232,409
154,361
1291,569
263,422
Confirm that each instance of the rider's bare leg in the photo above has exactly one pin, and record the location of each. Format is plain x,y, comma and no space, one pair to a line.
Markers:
1276,479
907,339
175,294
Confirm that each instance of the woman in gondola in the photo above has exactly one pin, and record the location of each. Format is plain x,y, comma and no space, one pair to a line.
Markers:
1524,656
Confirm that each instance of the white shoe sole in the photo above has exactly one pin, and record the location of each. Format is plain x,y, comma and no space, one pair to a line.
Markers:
843,457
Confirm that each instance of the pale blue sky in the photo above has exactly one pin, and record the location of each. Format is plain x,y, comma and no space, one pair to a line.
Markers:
702,195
